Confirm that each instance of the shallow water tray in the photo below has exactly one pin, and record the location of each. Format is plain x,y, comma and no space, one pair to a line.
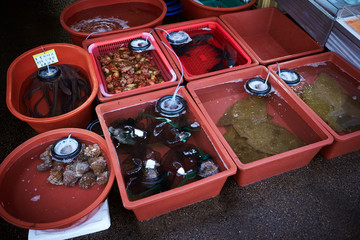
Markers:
213,50
271,36
215,94
347,76
100,46
205,139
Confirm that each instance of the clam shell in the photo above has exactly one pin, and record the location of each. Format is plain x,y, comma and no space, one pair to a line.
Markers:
55,177
87,180
81,168
99,166
69,178
92,151
103,178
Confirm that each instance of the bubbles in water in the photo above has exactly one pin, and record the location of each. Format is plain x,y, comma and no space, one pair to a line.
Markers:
288,76
258,85
99,24
35,198
171,104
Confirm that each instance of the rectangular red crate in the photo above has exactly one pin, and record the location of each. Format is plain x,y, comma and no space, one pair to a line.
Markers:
345,74
103,45
215,94
211,57
205,139
270,35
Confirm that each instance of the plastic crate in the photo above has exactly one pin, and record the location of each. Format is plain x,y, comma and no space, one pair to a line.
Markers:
175,198
102,46
201,61
270,35
215,94
346,75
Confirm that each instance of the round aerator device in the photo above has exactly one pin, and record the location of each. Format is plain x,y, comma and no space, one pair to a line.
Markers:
258,86
289,76
66,149
171,107
139,44
48,74
178,38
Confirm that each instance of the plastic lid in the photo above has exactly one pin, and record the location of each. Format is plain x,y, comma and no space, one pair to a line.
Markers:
168,107
178,38
139,44
289,76
66,149
257,86
49,73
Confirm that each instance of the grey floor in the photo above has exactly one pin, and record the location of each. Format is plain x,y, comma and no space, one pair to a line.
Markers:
319,201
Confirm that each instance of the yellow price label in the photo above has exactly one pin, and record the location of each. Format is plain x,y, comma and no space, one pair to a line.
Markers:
45,58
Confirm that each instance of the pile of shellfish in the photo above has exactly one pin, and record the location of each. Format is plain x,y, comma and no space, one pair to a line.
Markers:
87,169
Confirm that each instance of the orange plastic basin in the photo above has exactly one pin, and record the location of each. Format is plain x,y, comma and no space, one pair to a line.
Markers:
138,14
270,35
347,76
24,65
29,201
215,94
206,139
201,61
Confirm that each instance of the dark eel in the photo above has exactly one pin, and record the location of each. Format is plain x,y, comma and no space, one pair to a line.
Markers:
70,86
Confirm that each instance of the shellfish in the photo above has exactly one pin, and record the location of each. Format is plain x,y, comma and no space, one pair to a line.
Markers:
103,178
47,160
70,178
55,177
92,151
87,180
98,166
208,168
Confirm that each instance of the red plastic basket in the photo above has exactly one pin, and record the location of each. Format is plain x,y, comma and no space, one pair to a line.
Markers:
199,61
158,59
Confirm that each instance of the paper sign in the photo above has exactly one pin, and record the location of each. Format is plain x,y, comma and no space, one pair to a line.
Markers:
45,58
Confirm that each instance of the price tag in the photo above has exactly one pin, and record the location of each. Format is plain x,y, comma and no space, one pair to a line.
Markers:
45,58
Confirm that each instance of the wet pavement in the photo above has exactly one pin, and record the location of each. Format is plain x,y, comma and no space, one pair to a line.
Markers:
319,201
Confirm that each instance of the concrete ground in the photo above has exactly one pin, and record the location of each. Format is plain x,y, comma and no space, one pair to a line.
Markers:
319,201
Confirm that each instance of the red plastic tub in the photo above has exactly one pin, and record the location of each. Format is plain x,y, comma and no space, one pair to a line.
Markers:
24,65
270,35
100,46
215,94
213,50
136,14
348,80
193,10
29,201
178,197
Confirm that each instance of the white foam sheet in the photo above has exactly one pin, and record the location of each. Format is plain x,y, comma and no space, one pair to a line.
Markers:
97,220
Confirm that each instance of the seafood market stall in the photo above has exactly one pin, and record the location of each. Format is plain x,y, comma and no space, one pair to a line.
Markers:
214,144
